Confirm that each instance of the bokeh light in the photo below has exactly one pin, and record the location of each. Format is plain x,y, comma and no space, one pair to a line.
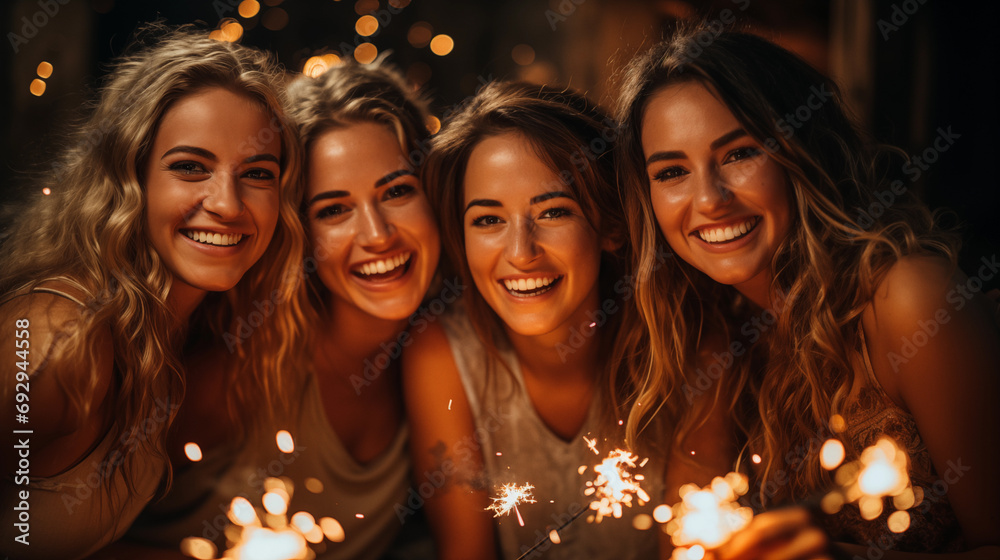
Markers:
366,53
44,69
366,25
442,45
249,8
37,87
523,54
275,19
420,34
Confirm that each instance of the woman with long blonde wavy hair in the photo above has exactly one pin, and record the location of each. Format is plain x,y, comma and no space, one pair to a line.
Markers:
797,295
171,222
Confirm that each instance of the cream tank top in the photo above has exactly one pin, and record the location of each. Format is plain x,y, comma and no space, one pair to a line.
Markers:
519,448
361,497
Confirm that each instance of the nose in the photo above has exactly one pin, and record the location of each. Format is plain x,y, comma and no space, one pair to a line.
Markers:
522,247
713,192
375,230
223,198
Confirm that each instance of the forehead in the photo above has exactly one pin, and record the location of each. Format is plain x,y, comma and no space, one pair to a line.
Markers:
505,167
687,111
354,157
220,120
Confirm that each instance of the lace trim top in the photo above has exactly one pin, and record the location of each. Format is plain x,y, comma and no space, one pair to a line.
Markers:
933,525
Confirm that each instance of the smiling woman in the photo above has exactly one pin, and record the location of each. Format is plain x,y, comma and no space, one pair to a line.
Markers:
508,391
182,182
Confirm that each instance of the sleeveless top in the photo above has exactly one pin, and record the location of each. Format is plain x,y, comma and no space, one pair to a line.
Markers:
933,525
366,499
84,508
519,448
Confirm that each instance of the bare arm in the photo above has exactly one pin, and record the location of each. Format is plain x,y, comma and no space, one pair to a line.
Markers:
447,461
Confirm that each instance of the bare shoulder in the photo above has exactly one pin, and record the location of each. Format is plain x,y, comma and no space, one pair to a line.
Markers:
429,352
47,323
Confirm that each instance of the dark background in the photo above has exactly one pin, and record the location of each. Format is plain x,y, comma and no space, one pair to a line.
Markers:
909,67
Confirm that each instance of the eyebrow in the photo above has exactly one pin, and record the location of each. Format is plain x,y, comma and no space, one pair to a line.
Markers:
202,152
534,200
393,175
718,142
326,195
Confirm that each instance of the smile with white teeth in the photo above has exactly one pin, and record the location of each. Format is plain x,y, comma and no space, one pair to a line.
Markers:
530,287
211,238
728,233
383,266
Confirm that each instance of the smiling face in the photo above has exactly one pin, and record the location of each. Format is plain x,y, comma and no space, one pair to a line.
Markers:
212,188
720,200
373,232
532,253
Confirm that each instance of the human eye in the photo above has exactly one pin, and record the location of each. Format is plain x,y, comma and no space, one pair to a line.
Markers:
186,167
556,212
331,211
669,173
486,221
398,191
260,174
740,154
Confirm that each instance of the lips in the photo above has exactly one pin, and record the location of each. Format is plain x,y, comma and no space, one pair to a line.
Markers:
729,233
530,287
213,238
384,269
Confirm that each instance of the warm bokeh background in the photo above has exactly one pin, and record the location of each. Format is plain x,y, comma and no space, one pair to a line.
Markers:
910,67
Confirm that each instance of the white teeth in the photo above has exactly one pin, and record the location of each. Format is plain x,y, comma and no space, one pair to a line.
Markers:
218,239
384,265
528,285
729,233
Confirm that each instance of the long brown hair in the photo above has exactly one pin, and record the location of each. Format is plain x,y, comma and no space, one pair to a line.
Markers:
783,390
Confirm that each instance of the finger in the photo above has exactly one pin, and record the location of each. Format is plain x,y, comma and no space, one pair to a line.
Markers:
763,530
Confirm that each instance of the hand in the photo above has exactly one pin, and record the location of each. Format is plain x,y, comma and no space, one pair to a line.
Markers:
784,534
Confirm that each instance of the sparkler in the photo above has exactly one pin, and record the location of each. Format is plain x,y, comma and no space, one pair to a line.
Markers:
615,485
510,496
706,518
613,488
269,534
880,472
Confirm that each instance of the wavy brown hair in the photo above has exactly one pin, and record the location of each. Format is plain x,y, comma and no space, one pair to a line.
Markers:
571,135
790,384
91,231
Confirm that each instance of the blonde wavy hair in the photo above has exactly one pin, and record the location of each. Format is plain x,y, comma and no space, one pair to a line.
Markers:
785,389
351,93
91,232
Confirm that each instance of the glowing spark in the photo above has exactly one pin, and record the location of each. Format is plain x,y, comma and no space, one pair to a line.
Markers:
831,455
46,191
197,547
880,472
756,459
706,517
285,442
615,486
510,496
192,451
449,404
359,515
592,444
